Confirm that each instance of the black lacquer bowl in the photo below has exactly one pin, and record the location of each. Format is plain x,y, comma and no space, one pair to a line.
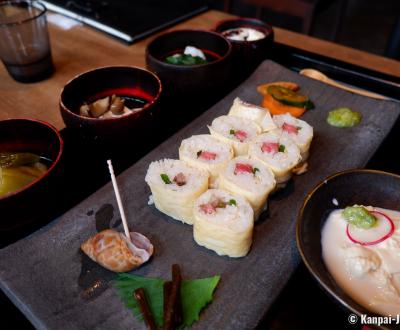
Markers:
363,187
247,55
132,82
29,135
191,83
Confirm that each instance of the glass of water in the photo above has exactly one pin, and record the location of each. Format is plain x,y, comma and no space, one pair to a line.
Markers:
24,40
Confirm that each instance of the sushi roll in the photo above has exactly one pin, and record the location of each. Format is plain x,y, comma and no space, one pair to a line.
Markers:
223,223
175,186
278,152
259,115
236,131
206,153
249,178
298,130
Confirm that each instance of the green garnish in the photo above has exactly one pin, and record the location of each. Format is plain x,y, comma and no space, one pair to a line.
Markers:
255,169
343,117
199,153
232,132
9,159
221,205
195,295
298,128
232,202
359,216
165,178
185,59
281,148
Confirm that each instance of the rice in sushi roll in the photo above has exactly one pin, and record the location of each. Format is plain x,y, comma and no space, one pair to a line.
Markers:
249,178
278,152
223,223
298,130
206,153
175,186
236,131
259,115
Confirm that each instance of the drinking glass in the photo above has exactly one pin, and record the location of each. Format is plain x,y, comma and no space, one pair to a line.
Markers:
24,40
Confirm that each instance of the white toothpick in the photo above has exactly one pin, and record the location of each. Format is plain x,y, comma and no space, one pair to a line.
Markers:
118,196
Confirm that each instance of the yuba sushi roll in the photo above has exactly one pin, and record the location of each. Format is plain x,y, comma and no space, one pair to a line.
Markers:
206,152
259,115
278,152
223,223
236,131
298,130
175,186
249,178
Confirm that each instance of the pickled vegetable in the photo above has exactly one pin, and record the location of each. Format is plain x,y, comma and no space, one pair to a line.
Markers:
290,97
343,117
359,217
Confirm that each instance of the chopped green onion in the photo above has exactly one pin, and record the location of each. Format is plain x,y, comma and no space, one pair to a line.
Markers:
232,202
298,128
221,205
199,153
255,169
165,178
232,132
281,148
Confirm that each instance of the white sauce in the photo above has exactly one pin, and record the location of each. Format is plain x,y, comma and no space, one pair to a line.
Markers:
243,34
369,274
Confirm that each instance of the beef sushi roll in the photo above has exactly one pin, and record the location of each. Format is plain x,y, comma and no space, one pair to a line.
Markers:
298,130
206,152
259,115
278,152
223,223
175,186
249,178
236,131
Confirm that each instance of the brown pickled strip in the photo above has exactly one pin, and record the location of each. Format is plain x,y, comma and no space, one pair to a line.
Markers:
170,307
167,294
140,297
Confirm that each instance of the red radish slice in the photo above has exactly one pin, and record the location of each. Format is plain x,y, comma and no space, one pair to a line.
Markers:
270,147
290,128
243,168
382,231
240,135
208,155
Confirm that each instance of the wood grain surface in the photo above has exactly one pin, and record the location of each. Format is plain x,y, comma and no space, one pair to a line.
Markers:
82,48
45,273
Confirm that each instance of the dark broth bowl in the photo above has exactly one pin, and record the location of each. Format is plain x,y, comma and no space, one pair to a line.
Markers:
247,55
203,81
125,81
363,187
29,135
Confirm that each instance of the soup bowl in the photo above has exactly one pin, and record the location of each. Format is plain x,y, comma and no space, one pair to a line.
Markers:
198,83
28,135
359,186
135,84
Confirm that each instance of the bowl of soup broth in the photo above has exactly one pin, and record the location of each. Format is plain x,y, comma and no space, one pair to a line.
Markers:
193,65
30,152
111,105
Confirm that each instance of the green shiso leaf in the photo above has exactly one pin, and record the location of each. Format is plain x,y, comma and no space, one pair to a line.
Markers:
195,295
126,284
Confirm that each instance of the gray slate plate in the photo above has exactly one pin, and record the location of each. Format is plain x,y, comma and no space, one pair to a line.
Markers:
46,275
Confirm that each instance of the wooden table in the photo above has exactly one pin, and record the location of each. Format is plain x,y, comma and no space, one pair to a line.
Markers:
82,48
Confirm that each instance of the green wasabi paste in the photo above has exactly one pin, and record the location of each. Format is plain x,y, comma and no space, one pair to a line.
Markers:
343,117
359,216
